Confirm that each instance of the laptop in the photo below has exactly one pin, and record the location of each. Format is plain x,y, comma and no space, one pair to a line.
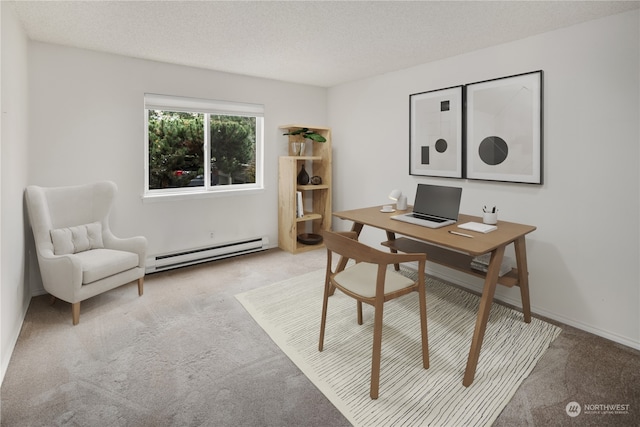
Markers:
435,206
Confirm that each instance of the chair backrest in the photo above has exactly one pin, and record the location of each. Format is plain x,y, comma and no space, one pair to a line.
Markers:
345,244
57,207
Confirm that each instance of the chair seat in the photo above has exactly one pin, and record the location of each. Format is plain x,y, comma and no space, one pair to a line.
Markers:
100,263
361,279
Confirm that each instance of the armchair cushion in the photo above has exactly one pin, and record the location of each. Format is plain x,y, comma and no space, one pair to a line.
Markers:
100,263
71,240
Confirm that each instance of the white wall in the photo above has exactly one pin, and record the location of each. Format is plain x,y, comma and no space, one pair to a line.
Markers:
583,267
90,126
14,291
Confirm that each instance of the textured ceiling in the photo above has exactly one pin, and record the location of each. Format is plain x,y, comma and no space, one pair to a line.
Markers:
320,43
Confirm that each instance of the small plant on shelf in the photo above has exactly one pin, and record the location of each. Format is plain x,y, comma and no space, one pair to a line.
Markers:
307,133
297,146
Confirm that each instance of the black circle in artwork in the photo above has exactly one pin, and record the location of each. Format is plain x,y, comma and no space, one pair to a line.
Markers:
441,145
493,150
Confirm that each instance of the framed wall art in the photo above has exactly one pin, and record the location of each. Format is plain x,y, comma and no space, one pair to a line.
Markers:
503,131
435,133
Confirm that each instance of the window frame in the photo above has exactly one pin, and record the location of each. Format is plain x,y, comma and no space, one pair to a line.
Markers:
208,108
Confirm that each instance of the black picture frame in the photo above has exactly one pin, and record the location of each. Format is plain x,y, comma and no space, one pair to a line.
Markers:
504,129
436,133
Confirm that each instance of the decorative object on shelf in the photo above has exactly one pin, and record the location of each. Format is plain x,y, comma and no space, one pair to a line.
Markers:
299,205
303,176
306,133
401,199
504,129
435,133
310,238
298,148
316,180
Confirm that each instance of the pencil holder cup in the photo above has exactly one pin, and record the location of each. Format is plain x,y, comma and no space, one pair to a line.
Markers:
490,217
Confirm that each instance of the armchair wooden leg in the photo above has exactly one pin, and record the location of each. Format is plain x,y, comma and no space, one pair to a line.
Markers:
52,300
140,286
75,312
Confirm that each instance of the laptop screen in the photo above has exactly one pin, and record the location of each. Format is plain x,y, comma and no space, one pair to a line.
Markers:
436,200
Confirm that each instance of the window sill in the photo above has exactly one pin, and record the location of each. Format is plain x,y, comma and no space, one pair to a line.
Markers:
170,196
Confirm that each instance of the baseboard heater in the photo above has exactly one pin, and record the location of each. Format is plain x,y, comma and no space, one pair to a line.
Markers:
210,253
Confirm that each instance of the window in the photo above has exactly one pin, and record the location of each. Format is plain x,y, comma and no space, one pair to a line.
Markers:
197,146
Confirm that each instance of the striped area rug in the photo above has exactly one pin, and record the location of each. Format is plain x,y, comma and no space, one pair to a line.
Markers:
290,311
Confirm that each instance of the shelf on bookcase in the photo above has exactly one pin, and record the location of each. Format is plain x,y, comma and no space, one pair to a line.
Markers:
309,216
310,187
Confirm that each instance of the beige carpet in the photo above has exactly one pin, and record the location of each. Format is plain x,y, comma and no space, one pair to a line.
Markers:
289,312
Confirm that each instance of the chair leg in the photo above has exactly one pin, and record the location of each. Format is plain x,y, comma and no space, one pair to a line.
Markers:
377,347
423,325
140,286
52,300
75,312
359,312
323,320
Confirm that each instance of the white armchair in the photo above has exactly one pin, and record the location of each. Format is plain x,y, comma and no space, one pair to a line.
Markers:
78,255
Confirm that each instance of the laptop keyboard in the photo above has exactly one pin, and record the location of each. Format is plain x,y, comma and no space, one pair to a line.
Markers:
428,218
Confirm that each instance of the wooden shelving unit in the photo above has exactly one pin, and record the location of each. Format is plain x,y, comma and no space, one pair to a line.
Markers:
317,198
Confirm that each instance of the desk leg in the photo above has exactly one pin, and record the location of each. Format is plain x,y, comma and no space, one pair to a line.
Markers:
523,277
392,236
489,290
357,227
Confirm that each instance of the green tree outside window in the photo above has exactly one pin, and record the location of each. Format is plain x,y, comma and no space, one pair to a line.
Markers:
176,149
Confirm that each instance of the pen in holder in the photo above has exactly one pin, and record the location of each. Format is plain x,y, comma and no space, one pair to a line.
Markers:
490,216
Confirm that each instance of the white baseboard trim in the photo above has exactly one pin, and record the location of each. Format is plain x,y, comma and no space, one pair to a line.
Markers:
468,282
11,346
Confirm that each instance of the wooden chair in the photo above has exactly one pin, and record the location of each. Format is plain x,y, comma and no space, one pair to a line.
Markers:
370,281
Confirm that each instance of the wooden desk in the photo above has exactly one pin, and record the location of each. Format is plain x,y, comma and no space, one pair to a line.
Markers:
456,252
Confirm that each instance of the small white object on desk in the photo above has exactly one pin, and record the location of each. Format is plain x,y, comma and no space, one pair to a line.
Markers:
490,216
400,198
479,227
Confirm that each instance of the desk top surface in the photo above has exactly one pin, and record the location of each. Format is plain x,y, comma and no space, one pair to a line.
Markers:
480,243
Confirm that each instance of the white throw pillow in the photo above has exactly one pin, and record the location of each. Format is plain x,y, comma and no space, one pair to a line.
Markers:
71,240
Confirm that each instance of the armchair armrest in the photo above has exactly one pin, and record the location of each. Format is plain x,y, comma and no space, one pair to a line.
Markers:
137,244
61,274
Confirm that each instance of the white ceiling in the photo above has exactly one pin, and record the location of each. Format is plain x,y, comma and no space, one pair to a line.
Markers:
323,43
